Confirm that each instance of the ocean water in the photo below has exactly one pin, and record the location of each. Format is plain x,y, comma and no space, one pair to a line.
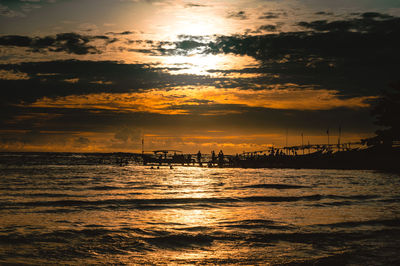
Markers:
85,209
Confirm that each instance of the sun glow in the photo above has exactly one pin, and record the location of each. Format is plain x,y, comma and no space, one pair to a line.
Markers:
196,64
207,64
194,22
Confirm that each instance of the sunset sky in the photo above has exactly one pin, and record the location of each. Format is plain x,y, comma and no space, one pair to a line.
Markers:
98,75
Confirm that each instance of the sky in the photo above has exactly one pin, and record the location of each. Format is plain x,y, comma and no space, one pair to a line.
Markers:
236,75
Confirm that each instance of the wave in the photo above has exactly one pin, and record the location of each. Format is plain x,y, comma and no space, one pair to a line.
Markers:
276,186
173,241
352,224
105,188
167,239
255,224
95,240
163,203
46,195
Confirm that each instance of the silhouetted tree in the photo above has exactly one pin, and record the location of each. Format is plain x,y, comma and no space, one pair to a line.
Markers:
387,114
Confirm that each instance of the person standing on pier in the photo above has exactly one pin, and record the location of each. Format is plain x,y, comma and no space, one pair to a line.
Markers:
199,158
220,158
213,157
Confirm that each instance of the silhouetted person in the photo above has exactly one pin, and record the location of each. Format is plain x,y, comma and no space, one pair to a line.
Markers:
220,158
213,157
199,158
272,154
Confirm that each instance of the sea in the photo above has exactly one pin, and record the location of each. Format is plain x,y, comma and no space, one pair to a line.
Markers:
88,209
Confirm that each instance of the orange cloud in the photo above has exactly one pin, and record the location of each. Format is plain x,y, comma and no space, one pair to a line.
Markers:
177,100
73,80
12,75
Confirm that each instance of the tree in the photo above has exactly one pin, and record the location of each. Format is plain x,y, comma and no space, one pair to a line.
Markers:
387,114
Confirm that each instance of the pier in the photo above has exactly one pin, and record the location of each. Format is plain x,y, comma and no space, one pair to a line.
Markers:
351,155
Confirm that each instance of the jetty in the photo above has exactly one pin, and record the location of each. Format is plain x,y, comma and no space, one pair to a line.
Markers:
351,155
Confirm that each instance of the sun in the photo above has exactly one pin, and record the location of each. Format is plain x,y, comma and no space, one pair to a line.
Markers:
196,64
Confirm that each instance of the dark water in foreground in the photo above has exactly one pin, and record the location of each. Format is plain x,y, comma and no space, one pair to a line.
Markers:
67,209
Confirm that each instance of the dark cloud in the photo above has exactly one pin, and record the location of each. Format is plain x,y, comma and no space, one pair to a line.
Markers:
134,78
369,22
81,142
373,15
121,33
324,13
5,11
189,5
237,15
49,79
324,25
188,45
72,43
337,55
19,140
192,38
28,7
342,56
15,8
128,133
125,127
15,40
272,15
266,28
344,39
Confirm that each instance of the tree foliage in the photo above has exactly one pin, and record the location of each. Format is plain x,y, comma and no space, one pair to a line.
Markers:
387,114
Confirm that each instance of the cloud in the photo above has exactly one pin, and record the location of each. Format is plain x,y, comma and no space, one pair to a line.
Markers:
374,15
88,27
13,75
241,15
128,134
81,142
72,43
121,33
100,127
269,28
5,11
188,45
49,79
28,7
20,9
324,13
369,22
272,15
189,5
72,80
188,100
327,40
